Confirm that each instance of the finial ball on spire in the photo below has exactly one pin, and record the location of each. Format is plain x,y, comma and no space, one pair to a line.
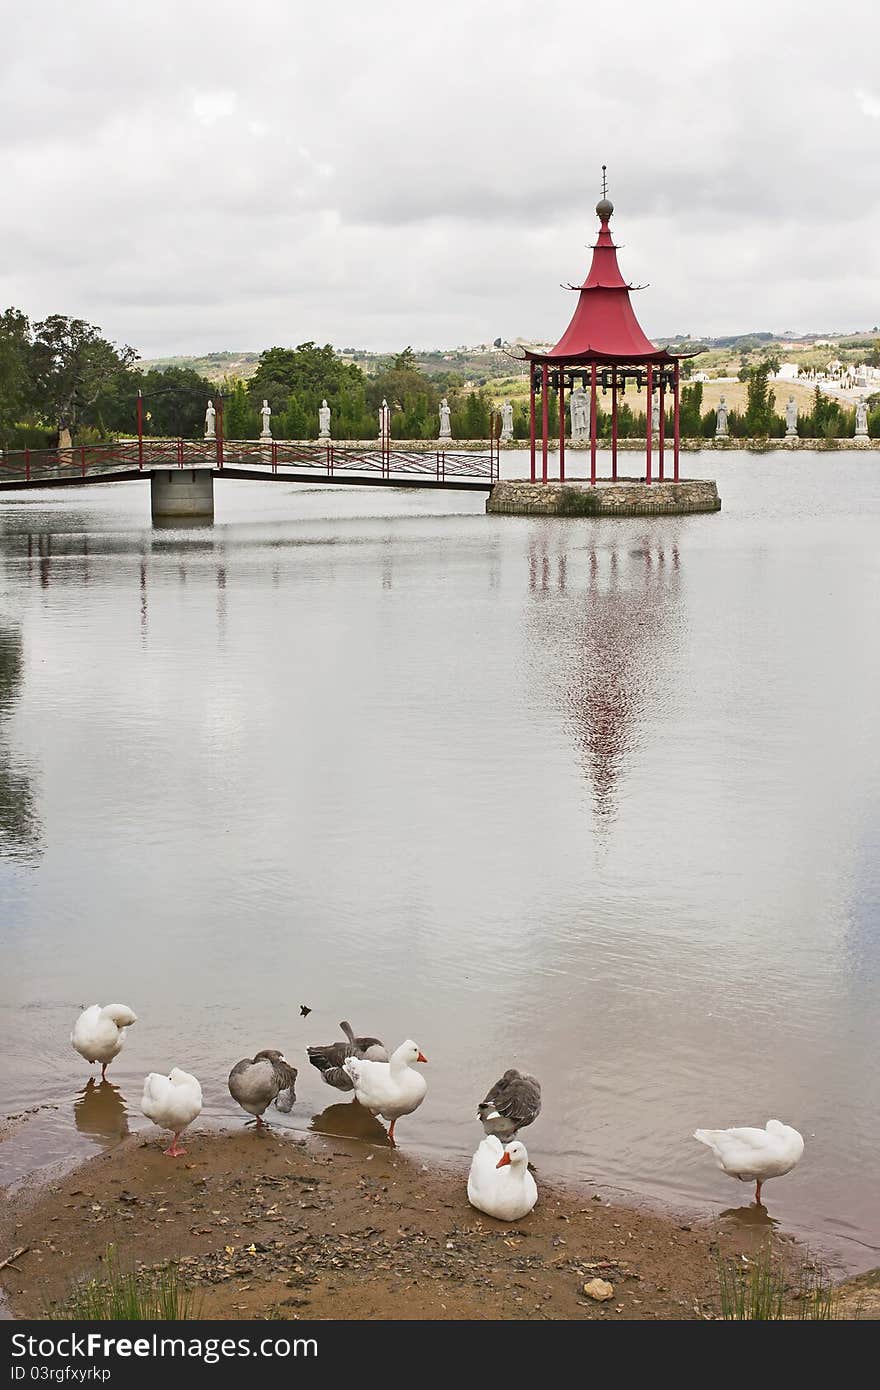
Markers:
604,207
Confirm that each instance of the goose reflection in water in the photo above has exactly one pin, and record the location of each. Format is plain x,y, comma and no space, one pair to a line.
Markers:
99,1111
349,1121
749,1218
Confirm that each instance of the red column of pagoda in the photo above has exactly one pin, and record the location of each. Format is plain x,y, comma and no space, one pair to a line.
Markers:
545,419
649,416
604,334
561,400
676,424
532,417
594,424
614,424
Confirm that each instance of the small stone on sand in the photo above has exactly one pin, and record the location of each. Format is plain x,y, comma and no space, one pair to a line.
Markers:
599,1290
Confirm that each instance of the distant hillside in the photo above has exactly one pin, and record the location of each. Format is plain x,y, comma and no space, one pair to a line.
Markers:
214,365
480,365
474,366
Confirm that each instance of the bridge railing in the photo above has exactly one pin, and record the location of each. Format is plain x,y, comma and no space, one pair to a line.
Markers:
331,458
30,465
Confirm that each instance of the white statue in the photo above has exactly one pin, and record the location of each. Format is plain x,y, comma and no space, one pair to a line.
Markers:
862,419
721,420
655,416
384,422
210,415
445,420
506,422
579,409
324,421
791,418
265,415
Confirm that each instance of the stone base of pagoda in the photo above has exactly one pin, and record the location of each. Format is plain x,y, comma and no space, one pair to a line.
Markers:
626,497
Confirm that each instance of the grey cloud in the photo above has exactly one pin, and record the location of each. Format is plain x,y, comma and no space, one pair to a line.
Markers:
196,176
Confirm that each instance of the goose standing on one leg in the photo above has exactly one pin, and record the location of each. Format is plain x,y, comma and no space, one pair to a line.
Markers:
172,1102
391,1088
98,1033
255,1082
330,1058
754,1155
512,1103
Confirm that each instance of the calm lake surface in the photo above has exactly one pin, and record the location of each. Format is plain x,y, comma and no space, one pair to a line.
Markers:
595,798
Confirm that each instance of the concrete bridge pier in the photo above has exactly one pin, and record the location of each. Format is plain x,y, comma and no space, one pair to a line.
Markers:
182,493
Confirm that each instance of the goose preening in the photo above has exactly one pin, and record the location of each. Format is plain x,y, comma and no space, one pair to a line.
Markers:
754,1155
391,1088
499,1182
98,1033
329,1060
172,1102
257,1081
512,1103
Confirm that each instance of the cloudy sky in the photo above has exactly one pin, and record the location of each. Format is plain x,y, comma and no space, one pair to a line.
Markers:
197,176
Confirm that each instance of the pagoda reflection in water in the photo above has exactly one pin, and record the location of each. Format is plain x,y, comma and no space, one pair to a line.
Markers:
615,606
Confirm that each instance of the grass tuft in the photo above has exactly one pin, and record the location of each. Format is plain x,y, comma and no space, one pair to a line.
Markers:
770,1288
158,1295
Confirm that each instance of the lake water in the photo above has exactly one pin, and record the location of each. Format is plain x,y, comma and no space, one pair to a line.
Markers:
598,798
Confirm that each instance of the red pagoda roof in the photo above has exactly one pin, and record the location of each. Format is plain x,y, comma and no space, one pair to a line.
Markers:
604,326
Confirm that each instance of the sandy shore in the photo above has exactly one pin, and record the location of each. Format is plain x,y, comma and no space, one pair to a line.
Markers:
276,1225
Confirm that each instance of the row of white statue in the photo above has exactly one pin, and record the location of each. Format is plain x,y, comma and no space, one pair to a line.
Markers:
579,408
324,421
791,416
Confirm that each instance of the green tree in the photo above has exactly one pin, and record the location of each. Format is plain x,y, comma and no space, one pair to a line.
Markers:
16,389
406,361
292,423
307,370
240,418
690,410
72,365
174,401
759,418
827,419
470,418
521,420
295,380
412,396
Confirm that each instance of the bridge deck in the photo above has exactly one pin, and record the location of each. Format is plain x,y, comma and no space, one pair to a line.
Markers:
354,465
128,475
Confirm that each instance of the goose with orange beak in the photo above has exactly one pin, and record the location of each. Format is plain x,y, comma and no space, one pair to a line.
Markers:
499,1182
391,1088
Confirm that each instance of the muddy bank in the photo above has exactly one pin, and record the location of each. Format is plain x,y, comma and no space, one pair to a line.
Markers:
273,1225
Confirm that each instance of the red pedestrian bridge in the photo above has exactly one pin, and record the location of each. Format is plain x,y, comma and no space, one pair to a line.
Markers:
379,465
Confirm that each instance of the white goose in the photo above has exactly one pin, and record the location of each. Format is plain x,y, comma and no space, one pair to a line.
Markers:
754,1155
172,1102
98,1032
499,1182
391,1088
